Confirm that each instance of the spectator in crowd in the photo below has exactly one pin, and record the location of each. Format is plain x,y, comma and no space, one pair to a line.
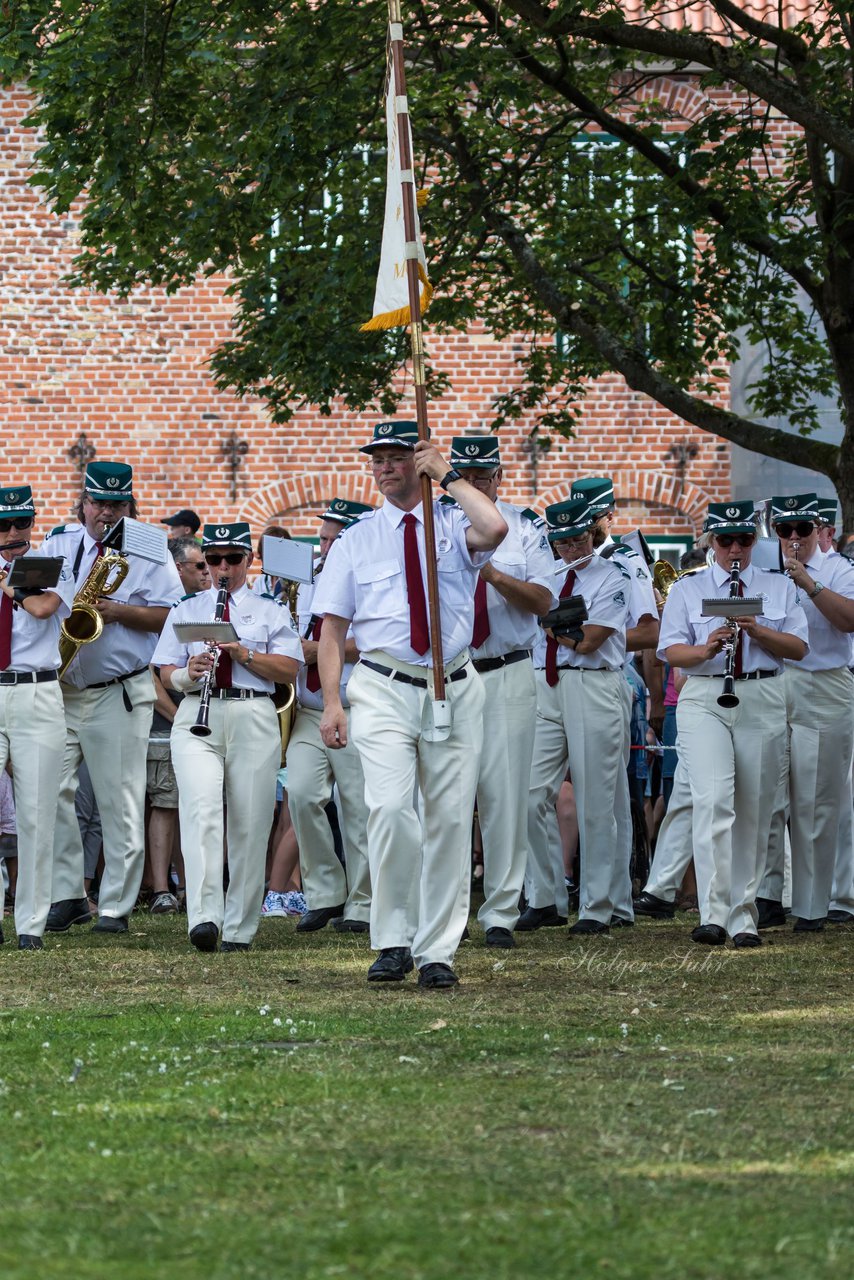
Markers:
184,524
190,563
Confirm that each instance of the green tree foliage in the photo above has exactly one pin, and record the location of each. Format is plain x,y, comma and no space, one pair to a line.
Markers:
247,137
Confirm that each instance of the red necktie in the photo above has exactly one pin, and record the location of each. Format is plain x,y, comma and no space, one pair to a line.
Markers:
481,630
5,632
312,676
419,630
551,645
99,549
223,666
737,666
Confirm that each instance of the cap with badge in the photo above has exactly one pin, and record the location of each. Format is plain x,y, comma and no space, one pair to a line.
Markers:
227,535
184,517
736,516
598,491
827,509
795,506
16,500
474,451
109,481
345,512
569,518
403,435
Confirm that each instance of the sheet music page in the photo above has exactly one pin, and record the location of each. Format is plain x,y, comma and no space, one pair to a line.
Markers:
144,540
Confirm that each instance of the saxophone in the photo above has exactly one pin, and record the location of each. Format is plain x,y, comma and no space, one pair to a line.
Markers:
85,624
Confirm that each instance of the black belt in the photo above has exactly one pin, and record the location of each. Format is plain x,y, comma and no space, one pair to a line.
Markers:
27,677
460,674
105,684
745,675
240,694
507,660
561,669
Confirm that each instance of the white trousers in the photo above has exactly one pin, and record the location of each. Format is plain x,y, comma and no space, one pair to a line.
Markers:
509,715
842,898
674,848
621,883
820,707
733,757
32,733
580,721
241,754
420,871
114,743
313,769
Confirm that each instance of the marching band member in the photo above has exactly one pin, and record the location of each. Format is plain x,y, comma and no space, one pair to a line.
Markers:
732,755
32,722
333,892
374,578
242,750
512,591
109,701
821,719
580,714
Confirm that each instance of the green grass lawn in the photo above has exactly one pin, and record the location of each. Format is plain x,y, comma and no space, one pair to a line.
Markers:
632,1106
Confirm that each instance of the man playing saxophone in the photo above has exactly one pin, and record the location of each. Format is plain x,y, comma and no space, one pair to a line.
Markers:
109,697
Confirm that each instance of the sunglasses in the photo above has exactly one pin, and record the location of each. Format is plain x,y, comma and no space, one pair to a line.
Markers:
18,522
803,529
726,540
195,564
230,557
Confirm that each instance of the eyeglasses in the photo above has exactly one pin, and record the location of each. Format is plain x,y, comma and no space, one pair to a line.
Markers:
726,540
196,564
17,522
577,541
230,557
107,502
803,529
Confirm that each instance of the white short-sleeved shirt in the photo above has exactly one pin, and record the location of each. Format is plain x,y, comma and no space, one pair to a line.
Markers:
119,649
525,555
606,596
306,615
35,641
261,624
829,647
642,595
683,621
364,580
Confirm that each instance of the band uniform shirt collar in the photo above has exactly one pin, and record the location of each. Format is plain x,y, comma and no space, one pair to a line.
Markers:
721,577
395,515
816,560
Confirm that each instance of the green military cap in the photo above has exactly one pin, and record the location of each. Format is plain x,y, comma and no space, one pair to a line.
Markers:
227,535
402,434
827,509
795,506
737,516
345,511
109,480
569,518
474,451
598,491
16,500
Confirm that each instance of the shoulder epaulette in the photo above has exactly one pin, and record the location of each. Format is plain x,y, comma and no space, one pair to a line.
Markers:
60,528
266,595
189,596
447,501
530,514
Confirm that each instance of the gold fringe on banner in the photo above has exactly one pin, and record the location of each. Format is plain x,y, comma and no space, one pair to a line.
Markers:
393,319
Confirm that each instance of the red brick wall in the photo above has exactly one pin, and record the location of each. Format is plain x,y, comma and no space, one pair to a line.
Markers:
132,376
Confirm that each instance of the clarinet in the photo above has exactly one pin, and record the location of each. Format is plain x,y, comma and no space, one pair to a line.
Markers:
201,728
728,696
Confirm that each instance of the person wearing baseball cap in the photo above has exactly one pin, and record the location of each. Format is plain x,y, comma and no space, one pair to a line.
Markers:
109,699
184,524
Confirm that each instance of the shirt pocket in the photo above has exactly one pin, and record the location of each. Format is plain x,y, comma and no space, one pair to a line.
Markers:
255,636
380,576
515,566
773,617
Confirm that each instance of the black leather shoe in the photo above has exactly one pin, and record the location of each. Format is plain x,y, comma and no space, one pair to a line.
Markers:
234,946
350,926
809,926
204,936
743,940
391,965
620,922
584,928
319,919
711,934
29,942
434,976
498,937
770,912
110,924
2,939
840,917
538,918
656,908
63,915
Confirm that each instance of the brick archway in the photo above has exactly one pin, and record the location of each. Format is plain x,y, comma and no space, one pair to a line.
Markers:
306,489
648,487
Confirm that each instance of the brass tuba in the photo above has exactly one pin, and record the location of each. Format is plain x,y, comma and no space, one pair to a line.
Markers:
84,624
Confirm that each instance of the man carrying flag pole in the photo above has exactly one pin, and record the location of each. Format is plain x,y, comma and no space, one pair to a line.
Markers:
412,716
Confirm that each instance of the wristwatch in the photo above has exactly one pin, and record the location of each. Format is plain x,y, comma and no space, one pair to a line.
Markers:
250,657
819,586
451,476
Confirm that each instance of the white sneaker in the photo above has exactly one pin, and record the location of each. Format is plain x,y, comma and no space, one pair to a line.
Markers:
274,905
294,903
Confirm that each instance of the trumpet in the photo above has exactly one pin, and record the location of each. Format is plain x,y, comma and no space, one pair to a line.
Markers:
201,728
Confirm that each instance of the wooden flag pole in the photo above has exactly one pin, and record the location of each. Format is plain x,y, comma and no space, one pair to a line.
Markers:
416,337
